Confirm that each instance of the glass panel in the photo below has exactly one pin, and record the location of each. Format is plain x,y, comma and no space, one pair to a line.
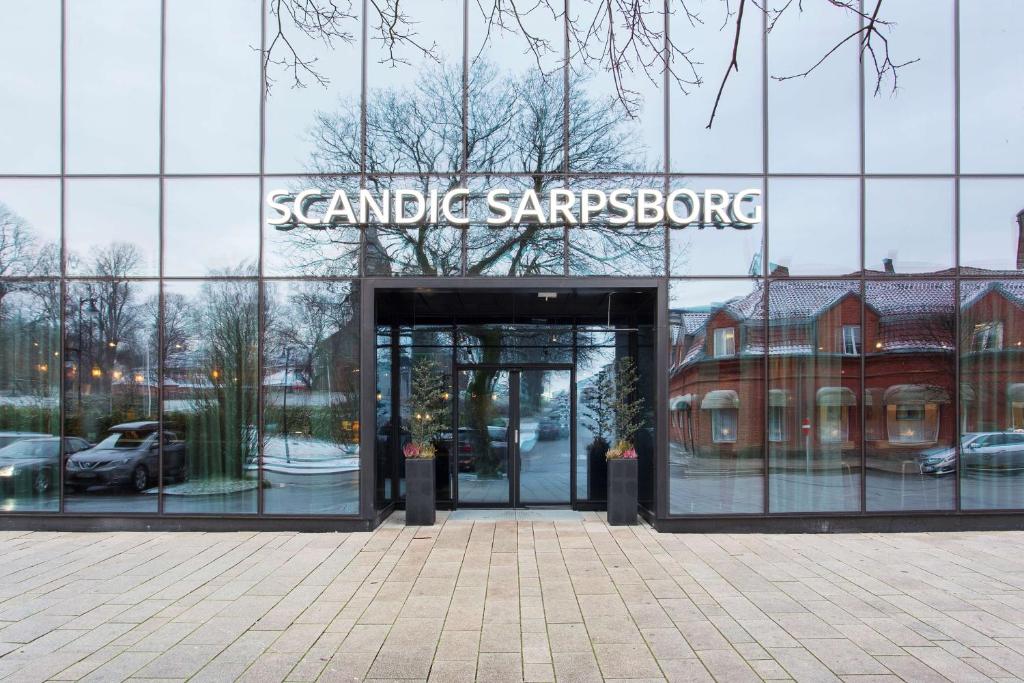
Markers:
991,226
29,227
113,86
799,242
991,395
416,345
414,90
596,353
211,227
516,92
314,79
909,414
427,247
212,87
991,99
102,240
111,397
30,118
29,396
514,344
386,441
898,137
526,248
716,409
813,121
908,226
484,433
311,399
298,249
544,436
210,338
616,120
716,248
734,143
817,467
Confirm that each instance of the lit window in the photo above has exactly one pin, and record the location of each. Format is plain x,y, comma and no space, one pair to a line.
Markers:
913,423
851,340
833,424
725,342
987,337
723,425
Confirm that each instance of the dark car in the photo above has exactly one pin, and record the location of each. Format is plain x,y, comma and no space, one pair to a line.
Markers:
34,464
129,457
549,429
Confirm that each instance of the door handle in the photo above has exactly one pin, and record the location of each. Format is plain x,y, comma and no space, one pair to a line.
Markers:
517,437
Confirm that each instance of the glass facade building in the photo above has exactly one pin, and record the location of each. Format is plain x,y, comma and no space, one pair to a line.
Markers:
170,356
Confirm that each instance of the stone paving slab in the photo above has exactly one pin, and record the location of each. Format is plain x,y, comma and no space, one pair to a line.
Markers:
496,597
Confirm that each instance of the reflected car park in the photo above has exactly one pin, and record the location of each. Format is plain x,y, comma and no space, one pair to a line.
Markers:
33,464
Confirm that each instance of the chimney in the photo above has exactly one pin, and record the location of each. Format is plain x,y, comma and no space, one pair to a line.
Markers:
887,263
780,271
1020,240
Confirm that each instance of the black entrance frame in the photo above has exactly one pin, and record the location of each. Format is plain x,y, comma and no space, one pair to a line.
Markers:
370,287
514,490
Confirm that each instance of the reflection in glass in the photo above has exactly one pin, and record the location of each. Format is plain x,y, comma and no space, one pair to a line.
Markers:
113,86
101,241
484,435
716,411
298,249
991,226
30,38
814,384
311,399
595,360
715,248
734,142
991,99
386,440
991,395
908,226
212,87
909,414
799,241
910,130
29,396
616,251
211,226
29,227
111,396
813,122
210,338
544,446
312,117
510,252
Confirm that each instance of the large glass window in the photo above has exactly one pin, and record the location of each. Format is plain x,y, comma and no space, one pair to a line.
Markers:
898,139
911,424
716,375
212,87
311,398
716,247
104,241
818,469
29,395
30,83
991,226
820,241
113,86
29,228
209,350
211,227
991,394
991,60
908,227
111,398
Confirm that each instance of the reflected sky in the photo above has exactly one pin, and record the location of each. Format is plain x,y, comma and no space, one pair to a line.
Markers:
211,227
910,222
93,228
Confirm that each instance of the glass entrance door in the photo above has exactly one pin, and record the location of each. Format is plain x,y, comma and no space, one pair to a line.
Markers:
514,439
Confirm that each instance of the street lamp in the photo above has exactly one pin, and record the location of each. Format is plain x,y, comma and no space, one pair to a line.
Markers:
94,310
287,358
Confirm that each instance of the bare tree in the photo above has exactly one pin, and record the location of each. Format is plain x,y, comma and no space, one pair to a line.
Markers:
18,254
622,38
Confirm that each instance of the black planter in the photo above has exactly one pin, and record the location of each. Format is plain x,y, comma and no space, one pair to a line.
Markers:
419,492
622,491
597,468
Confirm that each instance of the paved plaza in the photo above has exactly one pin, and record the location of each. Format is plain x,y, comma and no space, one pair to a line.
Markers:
508,596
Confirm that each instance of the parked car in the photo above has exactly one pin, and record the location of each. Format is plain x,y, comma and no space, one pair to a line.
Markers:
7,438
34,464
980,451
129,457
549,429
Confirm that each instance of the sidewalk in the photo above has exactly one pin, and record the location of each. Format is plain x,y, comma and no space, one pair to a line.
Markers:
506,599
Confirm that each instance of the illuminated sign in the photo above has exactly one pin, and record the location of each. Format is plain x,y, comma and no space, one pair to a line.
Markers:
621,207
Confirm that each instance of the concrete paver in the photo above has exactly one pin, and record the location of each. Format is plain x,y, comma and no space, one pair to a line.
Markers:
503,597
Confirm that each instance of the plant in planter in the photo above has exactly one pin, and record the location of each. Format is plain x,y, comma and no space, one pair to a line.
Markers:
627,409
427,406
